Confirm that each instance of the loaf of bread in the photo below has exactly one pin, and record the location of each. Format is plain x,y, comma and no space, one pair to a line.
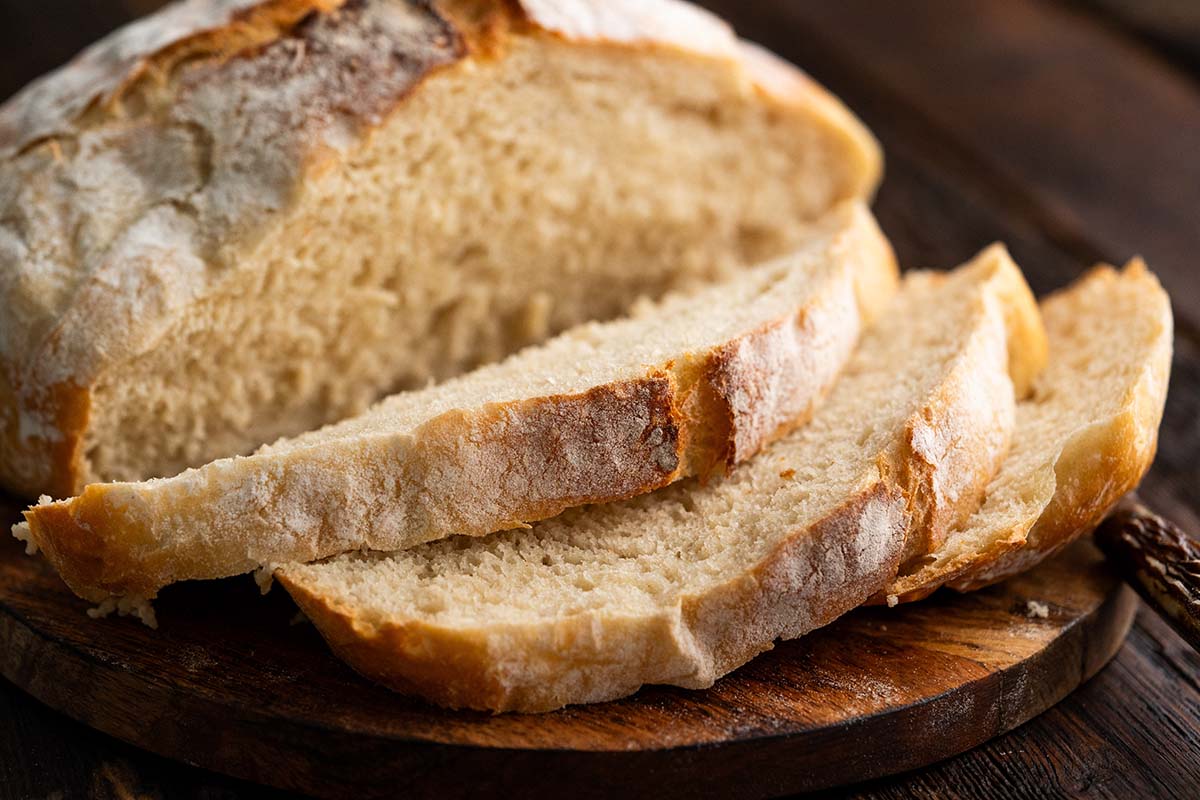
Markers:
711,416
684,585
1084,439
605,411
242,219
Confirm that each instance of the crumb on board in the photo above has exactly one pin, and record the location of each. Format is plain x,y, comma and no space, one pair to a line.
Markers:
1036,610
22,533
138,607
264,576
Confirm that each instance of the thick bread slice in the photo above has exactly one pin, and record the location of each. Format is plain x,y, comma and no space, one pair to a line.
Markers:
1085,438
243,219
604,412
684,585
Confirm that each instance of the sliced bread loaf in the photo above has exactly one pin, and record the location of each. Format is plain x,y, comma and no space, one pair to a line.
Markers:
1085,438
684,585
243,219
604,412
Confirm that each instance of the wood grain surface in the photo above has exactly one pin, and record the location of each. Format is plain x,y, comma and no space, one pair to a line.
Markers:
228,682
1032,121
1171,26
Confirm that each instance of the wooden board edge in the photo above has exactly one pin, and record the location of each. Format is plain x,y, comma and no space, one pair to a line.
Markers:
343,765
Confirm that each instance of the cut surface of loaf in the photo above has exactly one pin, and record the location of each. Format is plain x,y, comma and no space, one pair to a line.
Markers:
685,584
238,220
689,386
1084,439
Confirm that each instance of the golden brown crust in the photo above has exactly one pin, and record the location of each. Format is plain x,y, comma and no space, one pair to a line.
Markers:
1086,499
811,578
98,80
432,656
74,549
1102,460
1107,462
970,448
49,458
142,56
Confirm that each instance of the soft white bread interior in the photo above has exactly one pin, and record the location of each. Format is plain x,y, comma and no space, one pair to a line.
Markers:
685,584
606,411
1084,439
243,219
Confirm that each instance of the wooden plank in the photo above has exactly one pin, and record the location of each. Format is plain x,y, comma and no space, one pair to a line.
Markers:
46,755
1172,26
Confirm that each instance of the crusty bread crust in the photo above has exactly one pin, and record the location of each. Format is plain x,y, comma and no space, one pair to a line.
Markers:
64,330
956,451
1101,461
105,313
812,576
480,469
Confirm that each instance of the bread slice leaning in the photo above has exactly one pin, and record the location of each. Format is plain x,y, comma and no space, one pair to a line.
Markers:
1085,438
684,585
237,220
607,411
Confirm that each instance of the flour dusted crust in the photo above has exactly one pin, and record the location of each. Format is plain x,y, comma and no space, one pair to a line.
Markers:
178,225
140,117
103,77
944,451
478,468
809,577
1101,461
1093,455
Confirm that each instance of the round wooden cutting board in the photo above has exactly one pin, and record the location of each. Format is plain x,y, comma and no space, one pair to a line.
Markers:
230,682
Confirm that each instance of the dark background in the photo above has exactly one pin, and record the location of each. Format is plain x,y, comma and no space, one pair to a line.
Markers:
1070,130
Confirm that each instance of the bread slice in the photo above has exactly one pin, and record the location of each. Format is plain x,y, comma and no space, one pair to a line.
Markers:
243,219
684,585
1085,438
604,412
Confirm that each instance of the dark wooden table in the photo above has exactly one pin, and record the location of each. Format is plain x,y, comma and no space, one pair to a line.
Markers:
1070,130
